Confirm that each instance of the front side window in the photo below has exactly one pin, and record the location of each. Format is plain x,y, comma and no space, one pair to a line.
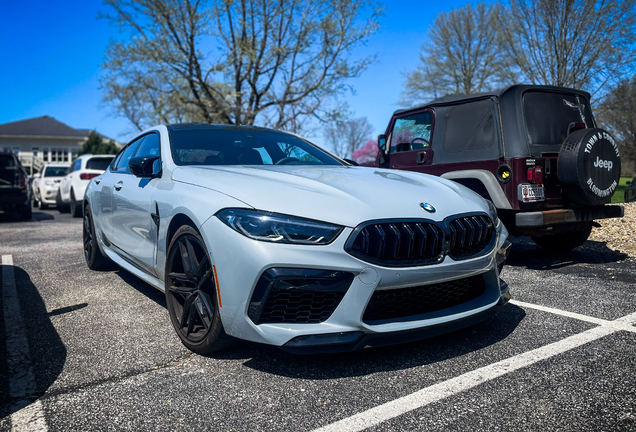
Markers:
122,164
150,147
231,146
412,132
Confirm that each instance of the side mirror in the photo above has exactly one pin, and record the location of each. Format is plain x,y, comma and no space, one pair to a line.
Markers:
382,143
351,162
628,183
145,166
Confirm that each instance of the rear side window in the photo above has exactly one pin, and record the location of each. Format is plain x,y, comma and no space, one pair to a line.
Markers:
99,163
470,127
548,115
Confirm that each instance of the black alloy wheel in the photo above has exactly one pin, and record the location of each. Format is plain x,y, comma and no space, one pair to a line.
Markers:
191,294
93,256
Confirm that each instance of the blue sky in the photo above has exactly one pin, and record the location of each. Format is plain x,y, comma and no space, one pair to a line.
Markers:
52,54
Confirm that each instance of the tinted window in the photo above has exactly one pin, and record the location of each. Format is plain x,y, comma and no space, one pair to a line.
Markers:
126,155
55,171
548,115
99,163
212,146
76,165
412,132
470,127
149,147
6,161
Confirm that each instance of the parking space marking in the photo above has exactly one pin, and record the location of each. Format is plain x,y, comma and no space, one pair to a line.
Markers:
623,323
25,417
469,380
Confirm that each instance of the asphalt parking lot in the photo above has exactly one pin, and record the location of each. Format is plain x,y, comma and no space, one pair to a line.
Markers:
84,350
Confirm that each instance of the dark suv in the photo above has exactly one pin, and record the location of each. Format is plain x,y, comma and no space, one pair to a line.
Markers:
534,151
15,193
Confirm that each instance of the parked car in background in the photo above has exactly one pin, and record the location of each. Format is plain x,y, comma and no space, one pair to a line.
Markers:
534,151
72,187
630,191
47,182
15,192
258,234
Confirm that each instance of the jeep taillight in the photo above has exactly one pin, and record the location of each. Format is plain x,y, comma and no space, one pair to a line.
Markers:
88,176
535,175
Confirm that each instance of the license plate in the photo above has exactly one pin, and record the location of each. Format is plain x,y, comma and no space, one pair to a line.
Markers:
531,193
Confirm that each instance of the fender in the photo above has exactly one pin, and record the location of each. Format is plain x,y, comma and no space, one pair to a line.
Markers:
489,181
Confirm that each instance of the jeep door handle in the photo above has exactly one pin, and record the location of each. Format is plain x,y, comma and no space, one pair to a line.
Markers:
119,185
420,158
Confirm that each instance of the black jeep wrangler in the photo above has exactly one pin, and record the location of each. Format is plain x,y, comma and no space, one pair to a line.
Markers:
534,151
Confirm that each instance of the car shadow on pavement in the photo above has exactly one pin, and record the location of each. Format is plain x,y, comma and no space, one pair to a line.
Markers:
272,360
46,350
525,253
36,217
144,288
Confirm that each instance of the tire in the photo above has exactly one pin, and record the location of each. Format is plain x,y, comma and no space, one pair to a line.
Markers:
35,202
76,210
42,206
589,167
61,207
201,333
564,242
26,213
93,256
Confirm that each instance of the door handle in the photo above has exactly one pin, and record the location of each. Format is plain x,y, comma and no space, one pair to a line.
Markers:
119,185
420,158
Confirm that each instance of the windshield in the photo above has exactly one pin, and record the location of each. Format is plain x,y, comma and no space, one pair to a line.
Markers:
233,146
99,163
55,171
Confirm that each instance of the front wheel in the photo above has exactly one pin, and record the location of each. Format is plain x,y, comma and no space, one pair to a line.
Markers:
191,294
95,260
564,242
76,210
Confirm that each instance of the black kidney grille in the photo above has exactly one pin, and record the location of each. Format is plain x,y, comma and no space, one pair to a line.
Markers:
416,301
398,243
299,306
470,236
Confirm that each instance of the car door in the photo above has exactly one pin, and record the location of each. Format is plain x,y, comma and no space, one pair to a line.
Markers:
134,231
65,184
102,205
410,142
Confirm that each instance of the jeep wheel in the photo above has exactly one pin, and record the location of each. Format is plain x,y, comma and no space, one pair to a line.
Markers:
589,167
564,242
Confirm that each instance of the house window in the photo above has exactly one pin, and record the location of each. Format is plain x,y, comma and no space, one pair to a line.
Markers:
46,157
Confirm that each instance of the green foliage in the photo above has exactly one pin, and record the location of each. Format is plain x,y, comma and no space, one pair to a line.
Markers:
96,145
619,195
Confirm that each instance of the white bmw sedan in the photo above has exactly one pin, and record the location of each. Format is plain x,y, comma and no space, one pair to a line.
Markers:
260,235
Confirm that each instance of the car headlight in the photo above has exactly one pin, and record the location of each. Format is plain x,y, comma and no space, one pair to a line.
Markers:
492,212
278,228
49,183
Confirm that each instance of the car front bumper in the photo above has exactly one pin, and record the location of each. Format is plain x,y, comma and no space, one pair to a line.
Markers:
241,262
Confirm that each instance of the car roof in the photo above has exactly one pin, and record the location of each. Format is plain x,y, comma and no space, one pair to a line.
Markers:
508,92
190,126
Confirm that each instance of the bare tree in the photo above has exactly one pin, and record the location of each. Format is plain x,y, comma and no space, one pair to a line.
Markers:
271,62
461,55
572,43
346,136
617,113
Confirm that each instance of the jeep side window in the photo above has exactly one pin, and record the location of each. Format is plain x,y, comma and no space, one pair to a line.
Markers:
412,132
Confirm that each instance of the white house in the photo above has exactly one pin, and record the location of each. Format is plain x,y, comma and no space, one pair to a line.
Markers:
42,139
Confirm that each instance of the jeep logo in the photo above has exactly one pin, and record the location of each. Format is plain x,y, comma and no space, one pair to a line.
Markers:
600,163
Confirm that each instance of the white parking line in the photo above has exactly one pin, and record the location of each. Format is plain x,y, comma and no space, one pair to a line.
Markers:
25,417
474,378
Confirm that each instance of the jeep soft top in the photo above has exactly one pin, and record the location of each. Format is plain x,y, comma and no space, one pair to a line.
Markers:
534,151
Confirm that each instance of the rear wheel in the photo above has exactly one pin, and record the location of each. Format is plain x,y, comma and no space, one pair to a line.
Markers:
76,210
191,294
565,241
95,260
61,207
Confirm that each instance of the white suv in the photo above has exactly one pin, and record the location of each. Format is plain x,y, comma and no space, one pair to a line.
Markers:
47,183
73,185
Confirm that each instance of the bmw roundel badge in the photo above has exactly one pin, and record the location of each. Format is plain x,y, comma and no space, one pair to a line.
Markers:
429,208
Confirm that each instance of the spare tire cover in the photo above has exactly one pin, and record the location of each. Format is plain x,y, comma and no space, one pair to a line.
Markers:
589,167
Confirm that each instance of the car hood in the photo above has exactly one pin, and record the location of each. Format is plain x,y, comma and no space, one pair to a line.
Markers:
338,194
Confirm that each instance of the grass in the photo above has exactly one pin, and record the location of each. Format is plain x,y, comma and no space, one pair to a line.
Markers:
619,195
